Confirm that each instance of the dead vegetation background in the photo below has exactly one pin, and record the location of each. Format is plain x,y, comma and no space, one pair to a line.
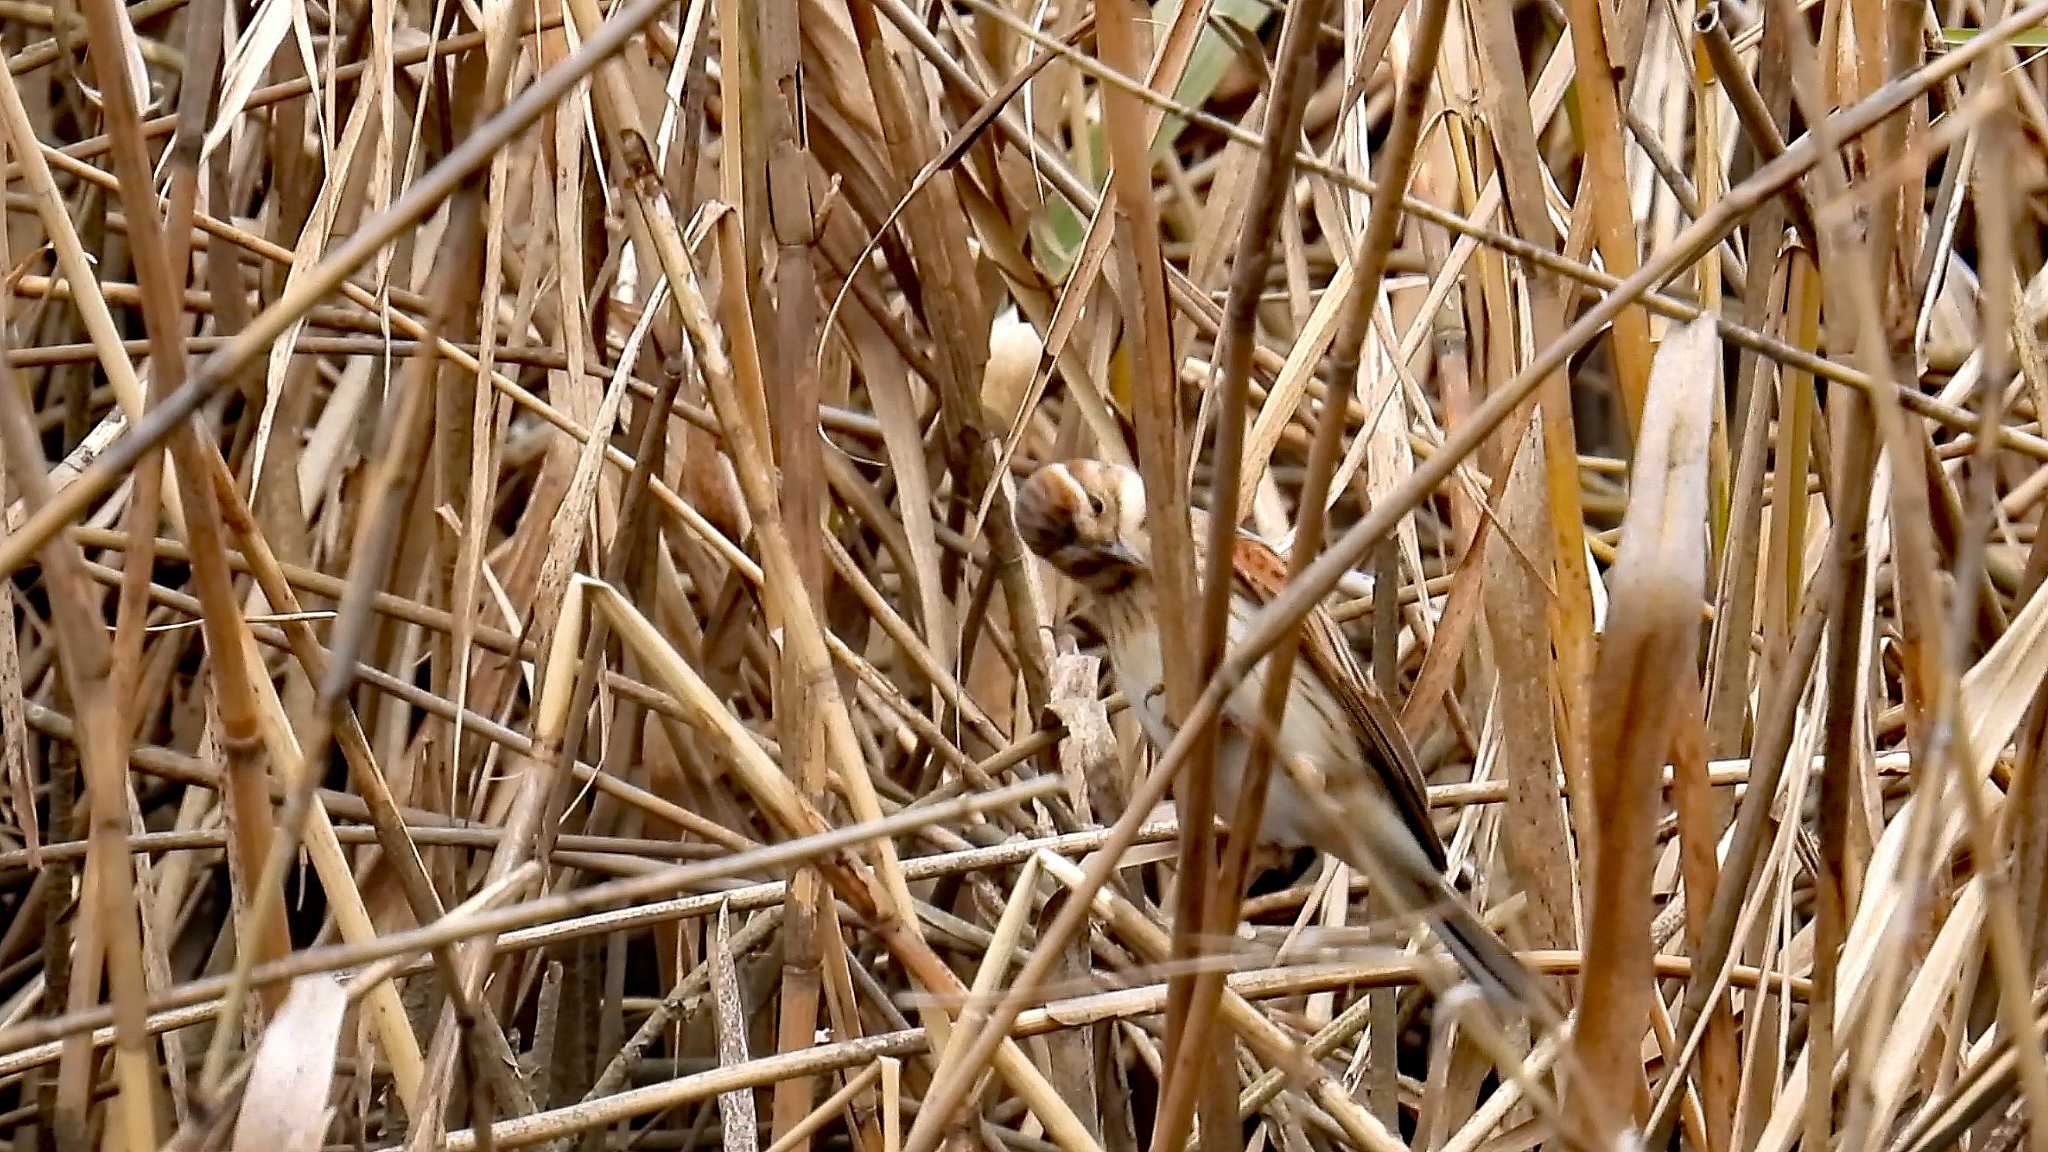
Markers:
514,631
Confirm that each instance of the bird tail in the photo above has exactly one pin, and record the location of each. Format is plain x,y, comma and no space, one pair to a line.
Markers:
1484,956
1373,839
1486,959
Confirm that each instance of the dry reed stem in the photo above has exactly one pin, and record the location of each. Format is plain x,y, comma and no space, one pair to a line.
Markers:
624,495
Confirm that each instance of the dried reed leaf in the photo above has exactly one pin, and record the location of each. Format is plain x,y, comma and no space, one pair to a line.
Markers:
246,65
1656,586
735,1109
284,1106
1534,841
14,755
1088,750
1996,690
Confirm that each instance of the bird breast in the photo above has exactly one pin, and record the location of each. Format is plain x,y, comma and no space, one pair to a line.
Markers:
1315,729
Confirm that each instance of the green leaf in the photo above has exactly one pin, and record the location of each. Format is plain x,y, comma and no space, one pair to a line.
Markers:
1211,60
2029,38
1060,230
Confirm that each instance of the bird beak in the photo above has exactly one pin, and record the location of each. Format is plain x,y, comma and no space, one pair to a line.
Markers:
1120,554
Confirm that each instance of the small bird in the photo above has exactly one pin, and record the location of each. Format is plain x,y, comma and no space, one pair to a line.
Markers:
1344,780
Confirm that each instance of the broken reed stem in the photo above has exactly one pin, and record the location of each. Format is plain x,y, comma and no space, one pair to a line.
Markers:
86,664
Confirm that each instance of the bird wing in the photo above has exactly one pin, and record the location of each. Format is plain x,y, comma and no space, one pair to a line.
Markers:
1262,572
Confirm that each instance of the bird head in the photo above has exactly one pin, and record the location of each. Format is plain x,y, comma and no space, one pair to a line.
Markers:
1086,518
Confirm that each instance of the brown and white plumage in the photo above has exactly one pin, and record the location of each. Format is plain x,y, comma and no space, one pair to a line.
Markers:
1345,780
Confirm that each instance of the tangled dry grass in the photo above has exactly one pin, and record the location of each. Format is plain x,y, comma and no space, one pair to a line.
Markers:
515,631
